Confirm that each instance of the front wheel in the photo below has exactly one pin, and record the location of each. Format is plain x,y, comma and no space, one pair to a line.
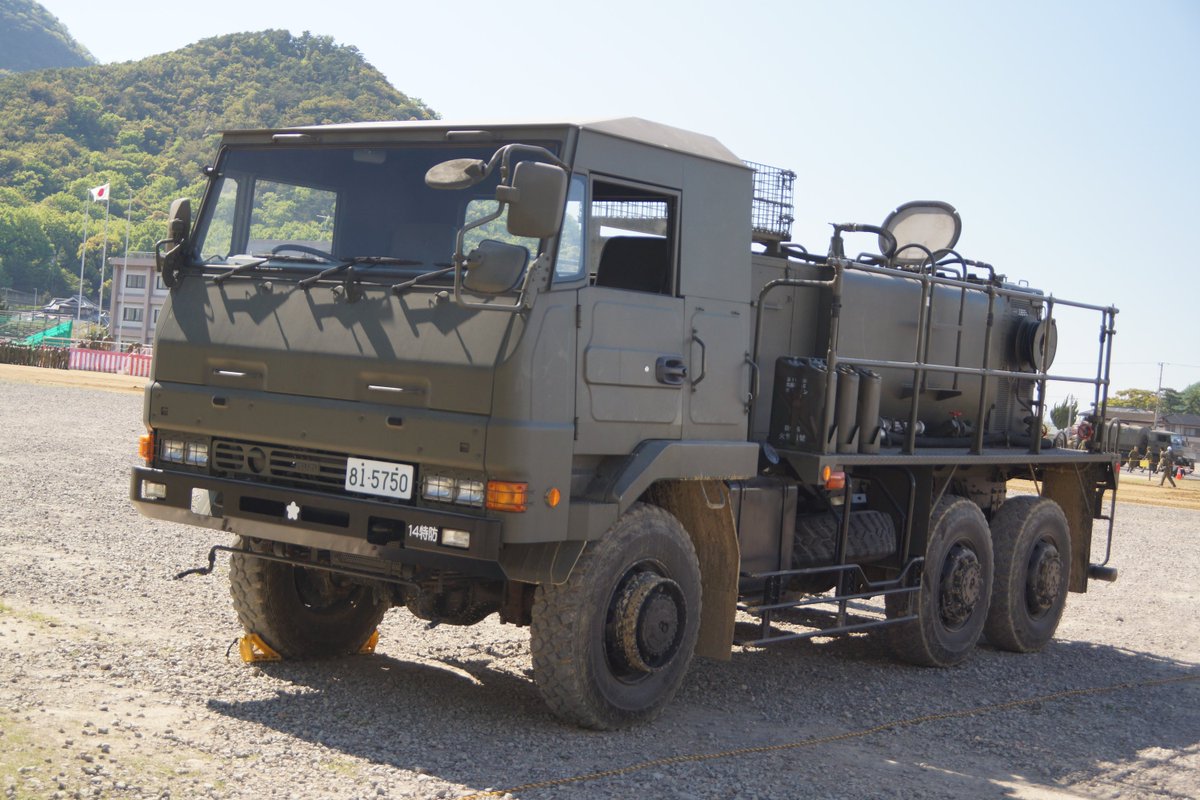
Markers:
1033,570
956,584
300,612
611,645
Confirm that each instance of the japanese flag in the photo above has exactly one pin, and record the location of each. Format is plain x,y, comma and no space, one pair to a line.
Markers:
100,193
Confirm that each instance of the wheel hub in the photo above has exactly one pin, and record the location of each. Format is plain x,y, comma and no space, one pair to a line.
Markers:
962,585
320,590
1045,578
649,614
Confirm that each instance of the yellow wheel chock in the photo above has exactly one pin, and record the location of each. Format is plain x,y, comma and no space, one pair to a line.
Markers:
253,649
369,645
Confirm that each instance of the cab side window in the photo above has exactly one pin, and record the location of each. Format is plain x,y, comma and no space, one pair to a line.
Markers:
631,232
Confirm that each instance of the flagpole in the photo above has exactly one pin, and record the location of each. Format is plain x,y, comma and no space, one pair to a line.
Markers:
124,273
83,258
103,260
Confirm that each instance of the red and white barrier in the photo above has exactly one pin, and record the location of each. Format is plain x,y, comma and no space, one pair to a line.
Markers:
136,364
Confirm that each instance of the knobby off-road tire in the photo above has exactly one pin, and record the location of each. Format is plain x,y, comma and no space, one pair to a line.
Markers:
611,645
956,585
302,613
1033,570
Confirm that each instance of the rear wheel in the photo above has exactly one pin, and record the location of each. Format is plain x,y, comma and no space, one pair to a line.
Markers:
611,645
1033,570
299,612
956,583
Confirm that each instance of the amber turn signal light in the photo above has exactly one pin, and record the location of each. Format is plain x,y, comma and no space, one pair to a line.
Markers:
507,496
834,480
146,447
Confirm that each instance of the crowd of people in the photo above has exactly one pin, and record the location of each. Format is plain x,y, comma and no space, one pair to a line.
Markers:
34,355
1155,460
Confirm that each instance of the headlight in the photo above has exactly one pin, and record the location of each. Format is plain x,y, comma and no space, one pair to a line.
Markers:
196,454
183,451
171,450
438,487
470,493
445,489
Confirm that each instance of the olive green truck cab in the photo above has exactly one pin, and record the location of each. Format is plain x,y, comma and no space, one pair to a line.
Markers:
575,375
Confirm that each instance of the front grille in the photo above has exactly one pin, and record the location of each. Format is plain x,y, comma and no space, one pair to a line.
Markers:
287,465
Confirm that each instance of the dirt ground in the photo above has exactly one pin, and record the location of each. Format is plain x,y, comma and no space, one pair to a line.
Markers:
66,377
117,681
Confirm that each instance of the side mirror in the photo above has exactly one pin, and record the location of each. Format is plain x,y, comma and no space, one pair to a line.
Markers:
457,173
169,261
931,224
535,200
181,220
495,267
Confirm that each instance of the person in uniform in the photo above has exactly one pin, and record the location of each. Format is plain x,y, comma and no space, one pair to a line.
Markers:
1166,465
1135,459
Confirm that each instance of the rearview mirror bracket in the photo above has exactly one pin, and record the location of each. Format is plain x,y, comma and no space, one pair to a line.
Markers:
169,261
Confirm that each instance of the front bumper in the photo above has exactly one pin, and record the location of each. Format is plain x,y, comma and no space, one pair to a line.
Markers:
352,526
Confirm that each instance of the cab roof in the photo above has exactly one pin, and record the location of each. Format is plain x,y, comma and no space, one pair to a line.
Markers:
632,129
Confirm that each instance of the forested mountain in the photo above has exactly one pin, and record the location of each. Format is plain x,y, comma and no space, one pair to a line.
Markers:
147,128
32,38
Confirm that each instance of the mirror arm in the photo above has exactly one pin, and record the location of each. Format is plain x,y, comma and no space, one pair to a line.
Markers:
165,262
532,149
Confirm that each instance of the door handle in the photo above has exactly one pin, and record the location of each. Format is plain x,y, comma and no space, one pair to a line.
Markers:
670,370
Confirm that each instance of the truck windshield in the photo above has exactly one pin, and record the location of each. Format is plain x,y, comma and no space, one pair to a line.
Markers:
307,207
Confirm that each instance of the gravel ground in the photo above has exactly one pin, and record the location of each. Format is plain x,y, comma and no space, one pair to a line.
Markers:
116,681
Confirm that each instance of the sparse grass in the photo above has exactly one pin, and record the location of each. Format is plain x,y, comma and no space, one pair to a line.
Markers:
342,766
1141,489
31,616
20,748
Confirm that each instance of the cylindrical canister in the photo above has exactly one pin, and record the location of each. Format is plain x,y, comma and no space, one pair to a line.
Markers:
870,384
846,415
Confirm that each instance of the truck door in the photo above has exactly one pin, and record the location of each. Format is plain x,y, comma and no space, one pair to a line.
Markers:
633,352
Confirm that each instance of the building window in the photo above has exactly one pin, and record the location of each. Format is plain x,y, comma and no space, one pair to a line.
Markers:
156,316
158,284
135,282
132,314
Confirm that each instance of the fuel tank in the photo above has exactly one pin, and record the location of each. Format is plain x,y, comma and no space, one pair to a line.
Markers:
878,321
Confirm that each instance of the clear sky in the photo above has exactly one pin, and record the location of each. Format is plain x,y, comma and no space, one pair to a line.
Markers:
1065,133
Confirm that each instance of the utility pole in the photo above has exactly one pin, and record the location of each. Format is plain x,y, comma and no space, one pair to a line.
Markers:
1158,396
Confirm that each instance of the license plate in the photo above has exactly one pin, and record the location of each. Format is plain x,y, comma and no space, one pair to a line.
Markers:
379,477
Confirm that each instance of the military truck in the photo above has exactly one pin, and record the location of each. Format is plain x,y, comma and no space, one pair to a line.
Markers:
576,375
1124,436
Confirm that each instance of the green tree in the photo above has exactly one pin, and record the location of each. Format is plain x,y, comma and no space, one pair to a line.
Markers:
147,128
1063,415
1141,399
28,256
1172,402
1189,400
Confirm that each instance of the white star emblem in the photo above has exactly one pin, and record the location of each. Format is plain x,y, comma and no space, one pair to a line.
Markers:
293,511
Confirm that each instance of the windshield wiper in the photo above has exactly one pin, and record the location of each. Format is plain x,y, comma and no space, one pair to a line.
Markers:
240,268
401,288
357,261
259,260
